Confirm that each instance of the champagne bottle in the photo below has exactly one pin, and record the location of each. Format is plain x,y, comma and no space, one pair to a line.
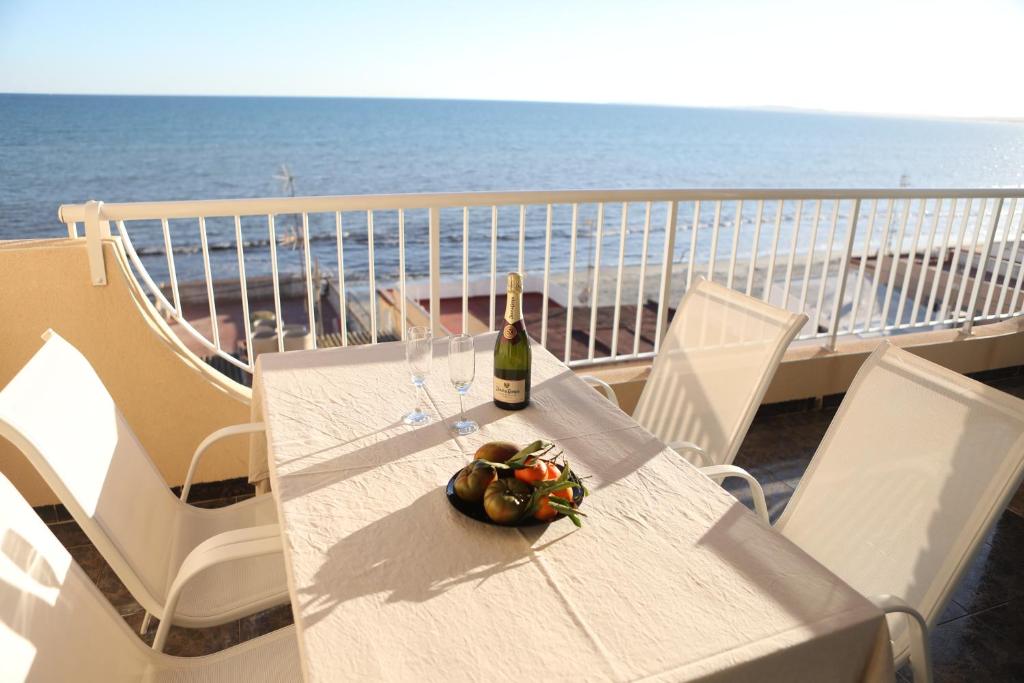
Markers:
512,358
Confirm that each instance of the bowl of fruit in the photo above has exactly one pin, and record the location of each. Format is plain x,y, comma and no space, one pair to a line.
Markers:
507,485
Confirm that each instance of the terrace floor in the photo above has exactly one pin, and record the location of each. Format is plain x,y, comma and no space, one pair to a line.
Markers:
978,638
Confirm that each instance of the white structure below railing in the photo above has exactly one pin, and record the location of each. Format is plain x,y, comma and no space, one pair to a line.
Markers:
610,263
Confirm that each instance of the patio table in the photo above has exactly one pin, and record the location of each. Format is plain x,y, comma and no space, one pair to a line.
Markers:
670,577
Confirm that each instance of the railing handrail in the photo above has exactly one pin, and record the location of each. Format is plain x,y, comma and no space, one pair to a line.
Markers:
212,208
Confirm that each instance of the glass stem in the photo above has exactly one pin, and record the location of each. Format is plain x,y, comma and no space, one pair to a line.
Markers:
462,407
419,398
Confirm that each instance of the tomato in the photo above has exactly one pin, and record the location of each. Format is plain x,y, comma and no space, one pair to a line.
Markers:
473,480
506,500
496,451
537,471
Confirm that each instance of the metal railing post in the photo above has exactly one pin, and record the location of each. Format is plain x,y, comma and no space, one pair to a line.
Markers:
979,272
96,230
844,267
435,270
666,273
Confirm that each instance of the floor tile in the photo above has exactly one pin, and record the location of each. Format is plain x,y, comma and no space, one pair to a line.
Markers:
229,488
776,494
69,534
1017,504
266,621
96,568
215,503
1011,385
981,647
189,642
782,445
52,513
953,610
994,576
47,513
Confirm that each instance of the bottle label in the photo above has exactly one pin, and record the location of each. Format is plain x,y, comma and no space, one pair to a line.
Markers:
510,390
509,332
513,307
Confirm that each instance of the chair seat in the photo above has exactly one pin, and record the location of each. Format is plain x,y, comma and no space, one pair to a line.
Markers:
231,588
273,657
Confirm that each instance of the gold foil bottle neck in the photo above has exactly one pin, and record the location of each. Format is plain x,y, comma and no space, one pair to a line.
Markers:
515,283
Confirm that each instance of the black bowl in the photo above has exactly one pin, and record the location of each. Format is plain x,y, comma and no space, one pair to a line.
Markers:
476,510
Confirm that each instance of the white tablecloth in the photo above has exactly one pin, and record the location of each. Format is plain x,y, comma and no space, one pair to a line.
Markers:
670,577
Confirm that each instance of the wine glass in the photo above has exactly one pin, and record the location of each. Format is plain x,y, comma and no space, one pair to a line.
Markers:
419,353
461,370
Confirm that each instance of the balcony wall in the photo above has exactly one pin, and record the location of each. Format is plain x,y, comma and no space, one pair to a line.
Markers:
810,371
169,396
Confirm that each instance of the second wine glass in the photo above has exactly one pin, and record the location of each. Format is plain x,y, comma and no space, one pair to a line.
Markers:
462,370
418,354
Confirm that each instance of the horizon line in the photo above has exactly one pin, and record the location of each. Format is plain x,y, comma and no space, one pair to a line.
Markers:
773,108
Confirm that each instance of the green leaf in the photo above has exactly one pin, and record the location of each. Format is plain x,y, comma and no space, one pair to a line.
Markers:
568,510
528,450
534,504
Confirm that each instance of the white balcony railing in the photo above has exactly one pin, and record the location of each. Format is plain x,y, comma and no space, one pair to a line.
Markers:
610,263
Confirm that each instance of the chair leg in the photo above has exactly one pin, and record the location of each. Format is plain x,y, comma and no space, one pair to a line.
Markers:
145,623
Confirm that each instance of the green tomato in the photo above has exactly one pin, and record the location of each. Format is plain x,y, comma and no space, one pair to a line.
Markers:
506,500
473,480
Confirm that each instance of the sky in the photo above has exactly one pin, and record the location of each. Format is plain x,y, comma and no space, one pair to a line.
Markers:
909,57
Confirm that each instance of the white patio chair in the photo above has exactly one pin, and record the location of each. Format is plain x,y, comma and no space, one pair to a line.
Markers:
712,370
55,625
915,469
185,565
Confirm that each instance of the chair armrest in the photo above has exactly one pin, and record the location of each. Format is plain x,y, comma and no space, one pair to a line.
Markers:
920,651
232,545
702,455
233,430
603,387
719,472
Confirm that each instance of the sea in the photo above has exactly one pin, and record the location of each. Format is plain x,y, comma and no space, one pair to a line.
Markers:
57,149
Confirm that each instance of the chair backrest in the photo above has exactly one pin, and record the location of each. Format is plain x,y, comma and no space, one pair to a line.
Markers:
54,623
57,411
713,368
916,467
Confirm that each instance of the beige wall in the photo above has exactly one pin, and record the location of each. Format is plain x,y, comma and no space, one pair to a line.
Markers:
171,398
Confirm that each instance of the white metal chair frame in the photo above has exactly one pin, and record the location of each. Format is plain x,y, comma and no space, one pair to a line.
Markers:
214,437
917,652
704,287
920,652
225,547
75,633
233,544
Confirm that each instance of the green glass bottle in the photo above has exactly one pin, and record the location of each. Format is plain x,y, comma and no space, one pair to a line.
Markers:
513,361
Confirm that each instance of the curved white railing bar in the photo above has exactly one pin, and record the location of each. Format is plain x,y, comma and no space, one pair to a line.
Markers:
856,261
154,289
